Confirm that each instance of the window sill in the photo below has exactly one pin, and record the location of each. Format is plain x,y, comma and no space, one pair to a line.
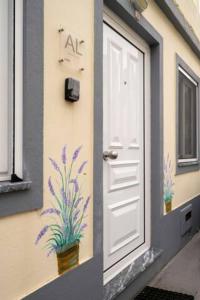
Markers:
188,163
9,187
187,167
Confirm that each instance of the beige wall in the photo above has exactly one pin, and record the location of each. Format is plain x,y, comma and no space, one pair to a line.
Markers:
191,11
187,185
24,266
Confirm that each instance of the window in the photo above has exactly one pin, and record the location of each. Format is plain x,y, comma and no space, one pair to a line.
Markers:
187,118
11,55
29,196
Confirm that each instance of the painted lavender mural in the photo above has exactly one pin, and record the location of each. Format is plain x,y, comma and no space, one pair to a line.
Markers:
168,184
67,213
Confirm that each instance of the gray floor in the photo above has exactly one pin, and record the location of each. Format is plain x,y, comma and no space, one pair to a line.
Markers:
182,274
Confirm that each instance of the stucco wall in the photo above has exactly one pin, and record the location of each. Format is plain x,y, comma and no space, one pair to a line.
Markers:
25,267
187,185
191,12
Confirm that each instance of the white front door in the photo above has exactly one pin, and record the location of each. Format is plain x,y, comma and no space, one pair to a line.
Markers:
123,144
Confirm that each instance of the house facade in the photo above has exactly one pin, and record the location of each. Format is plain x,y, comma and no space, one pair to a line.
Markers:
99,144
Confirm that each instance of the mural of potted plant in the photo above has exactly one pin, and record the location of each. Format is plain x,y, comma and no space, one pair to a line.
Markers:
68,213
168,184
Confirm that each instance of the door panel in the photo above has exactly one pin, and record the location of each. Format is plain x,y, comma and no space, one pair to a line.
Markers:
125,213
123,132
123,175
115,54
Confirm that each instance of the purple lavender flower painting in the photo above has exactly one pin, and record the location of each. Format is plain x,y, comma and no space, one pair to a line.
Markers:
68,211
168,184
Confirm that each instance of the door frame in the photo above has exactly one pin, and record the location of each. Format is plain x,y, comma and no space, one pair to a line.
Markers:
120,27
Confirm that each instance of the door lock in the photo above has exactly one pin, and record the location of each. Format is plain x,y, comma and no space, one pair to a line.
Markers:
110,155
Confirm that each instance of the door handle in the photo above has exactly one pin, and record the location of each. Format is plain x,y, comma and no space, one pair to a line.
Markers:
110,155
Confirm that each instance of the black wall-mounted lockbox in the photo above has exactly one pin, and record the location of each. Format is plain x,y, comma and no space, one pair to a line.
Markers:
72,90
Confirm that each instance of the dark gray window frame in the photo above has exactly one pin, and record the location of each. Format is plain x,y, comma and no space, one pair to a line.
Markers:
28,195
185,167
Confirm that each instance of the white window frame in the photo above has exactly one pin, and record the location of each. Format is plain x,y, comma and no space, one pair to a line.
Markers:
187,75
195,160
5,106
19,88
12,88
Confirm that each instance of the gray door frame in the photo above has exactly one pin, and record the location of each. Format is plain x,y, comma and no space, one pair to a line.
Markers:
143,28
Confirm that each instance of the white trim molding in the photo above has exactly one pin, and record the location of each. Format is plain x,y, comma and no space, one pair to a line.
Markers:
11,87
19,88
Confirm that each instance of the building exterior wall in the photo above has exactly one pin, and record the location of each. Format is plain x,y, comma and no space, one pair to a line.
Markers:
186,185
64,122
25,266
191,12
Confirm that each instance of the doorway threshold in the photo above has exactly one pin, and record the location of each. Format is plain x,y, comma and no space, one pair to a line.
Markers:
130,273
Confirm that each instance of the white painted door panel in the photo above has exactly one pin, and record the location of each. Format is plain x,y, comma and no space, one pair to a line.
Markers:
123,132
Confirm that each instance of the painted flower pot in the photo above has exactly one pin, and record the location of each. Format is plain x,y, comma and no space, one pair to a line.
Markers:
67,225
168,206
69,259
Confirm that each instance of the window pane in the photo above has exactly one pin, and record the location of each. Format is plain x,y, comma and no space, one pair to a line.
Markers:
5,130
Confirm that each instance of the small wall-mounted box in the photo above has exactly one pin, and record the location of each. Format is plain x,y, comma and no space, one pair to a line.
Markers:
186,219
72,90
